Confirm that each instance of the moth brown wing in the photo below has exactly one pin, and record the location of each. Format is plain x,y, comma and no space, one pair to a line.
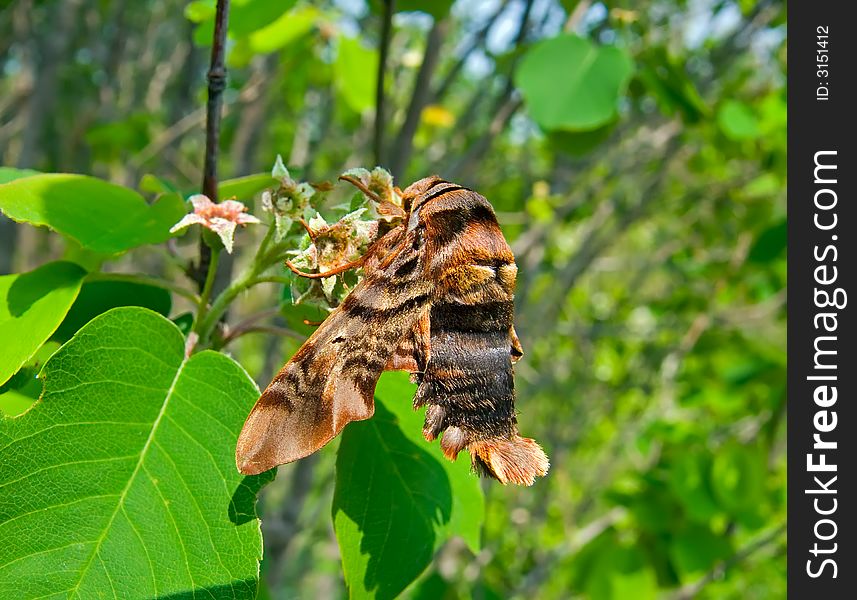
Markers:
414,350
330,381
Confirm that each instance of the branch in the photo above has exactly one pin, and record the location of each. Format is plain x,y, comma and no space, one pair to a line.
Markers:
505,106
692,589
216,85
581,537
419,98
386,29
476,42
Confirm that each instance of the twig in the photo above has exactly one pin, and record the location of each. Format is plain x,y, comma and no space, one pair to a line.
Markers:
582,536
216,85
242,330
692,589
476,42
505,106
386,29
419,98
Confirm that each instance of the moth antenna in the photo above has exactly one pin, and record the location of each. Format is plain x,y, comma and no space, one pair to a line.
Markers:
312,323
335,271
359,185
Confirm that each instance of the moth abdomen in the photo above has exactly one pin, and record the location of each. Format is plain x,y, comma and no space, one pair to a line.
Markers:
486,317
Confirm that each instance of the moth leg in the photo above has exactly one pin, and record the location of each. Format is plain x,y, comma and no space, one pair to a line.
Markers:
335,271
385,207
517,351
359,185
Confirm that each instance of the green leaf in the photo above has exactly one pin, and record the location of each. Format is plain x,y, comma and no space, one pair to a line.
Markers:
695,550
436,8
99,215
155,185
737,478
571,84
770,244
397,500
285,30
200,10
688,478
355,74
26,381
737,121
665,77
32,305
126,468
619,571
580,143
24,388
99,296
252,15
14,403
8,174
244,188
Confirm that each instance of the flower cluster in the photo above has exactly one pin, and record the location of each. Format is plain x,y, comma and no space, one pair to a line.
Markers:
288,202
335,244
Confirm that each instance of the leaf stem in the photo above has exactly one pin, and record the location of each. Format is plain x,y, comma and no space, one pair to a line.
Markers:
266,256
205,296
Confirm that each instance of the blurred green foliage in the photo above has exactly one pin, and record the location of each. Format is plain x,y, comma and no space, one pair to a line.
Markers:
635,154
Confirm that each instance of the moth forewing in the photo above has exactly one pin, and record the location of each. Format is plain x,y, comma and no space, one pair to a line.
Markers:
330,381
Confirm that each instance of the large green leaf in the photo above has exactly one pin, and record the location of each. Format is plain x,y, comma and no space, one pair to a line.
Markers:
32,305
355,74
737,121
244,188
571,84
101,294
99,215
8,174
120,481
284,30
24,387
397,500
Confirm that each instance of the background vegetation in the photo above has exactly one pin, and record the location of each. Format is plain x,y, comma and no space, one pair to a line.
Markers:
635,153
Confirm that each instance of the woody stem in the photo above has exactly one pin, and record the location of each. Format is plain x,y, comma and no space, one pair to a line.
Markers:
216,85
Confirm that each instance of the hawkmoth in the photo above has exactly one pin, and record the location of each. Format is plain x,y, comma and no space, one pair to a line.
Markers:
436,300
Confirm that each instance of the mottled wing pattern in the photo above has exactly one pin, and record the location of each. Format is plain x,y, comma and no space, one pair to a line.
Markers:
467,383
331,380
